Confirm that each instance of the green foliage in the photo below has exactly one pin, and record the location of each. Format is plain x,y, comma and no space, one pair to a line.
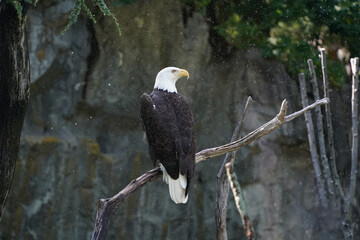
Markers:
105,10
78,7
18,7
74,14
240,32
290,31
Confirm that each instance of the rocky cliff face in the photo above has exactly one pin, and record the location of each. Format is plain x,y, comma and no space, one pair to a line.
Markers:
82,138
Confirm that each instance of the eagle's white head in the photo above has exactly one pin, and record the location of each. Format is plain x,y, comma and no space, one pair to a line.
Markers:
166,78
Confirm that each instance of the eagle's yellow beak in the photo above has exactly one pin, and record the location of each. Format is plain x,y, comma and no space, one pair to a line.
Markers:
183,73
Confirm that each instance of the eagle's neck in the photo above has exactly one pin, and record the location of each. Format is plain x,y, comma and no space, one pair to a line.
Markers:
167,91
165,84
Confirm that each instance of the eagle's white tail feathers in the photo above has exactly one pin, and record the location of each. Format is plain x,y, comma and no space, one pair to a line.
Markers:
183,181
177,187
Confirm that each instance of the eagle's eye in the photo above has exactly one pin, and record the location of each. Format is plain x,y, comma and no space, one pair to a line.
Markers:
173,71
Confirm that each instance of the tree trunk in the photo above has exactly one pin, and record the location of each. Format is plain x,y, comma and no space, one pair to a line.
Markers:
14,93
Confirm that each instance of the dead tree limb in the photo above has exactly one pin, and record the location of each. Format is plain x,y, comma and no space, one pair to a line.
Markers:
347,221
268,127
313,148
106,206
223,183
355,131
320,129
239,200
237,192
330,137
354,148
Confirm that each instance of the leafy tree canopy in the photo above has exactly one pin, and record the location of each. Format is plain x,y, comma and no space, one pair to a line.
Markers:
291,31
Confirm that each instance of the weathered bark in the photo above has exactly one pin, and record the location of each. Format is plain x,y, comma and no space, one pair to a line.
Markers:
239,200
14,93
330,137
313,146
349,222
223,185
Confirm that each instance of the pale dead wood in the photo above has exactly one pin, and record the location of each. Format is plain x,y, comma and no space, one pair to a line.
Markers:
355,132
320,129
258,133
239,200
223,184
106,206
317,103
312,145
251,137
238,194
347,222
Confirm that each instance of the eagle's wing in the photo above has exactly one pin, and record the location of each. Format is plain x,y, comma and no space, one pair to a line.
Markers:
146,112
185,125
161,129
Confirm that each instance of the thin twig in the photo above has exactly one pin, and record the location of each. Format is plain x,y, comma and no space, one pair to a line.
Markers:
239,200
322,101
312,143
330,138
223,183
355,132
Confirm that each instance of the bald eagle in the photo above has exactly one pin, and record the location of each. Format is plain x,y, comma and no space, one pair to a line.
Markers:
169,127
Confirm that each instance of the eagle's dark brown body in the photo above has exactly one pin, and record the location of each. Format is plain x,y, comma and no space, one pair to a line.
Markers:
169,127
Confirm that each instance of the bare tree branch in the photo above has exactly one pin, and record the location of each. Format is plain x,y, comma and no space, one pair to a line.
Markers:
355,132
239,200
251,137
258,133
223,183
313,148
330,138
320,130
106,206
317,103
